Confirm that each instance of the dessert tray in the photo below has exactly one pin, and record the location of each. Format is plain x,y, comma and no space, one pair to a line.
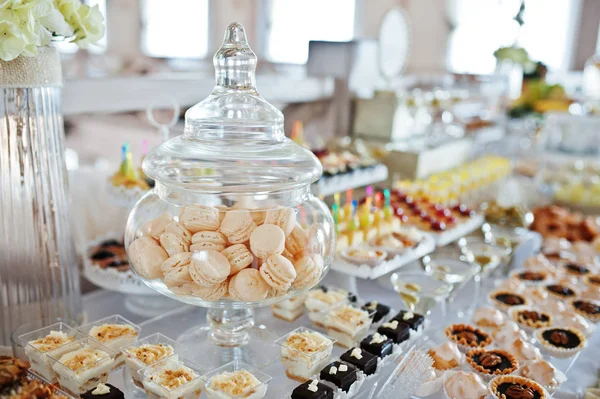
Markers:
462,229
358,178
393,262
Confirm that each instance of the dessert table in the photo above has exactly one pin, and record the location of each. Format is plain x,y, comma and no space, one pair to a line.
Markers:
98,304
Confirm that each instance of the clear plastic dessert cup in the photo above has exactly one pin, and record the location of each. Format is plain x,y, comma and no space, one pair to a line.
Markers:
173,378
147,351
54,340
304,353
236,380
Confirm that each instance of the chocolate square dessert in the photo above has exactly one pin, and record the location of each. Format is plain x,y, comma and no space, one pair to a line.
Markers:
378,344
341,374
363,360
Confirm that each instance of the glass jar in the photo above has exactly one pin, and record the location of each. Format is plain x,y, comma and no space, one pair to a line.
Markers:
231,223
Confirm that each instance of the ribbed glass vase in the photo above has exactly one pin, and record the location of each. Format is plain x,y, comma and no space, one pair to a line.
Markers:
39,277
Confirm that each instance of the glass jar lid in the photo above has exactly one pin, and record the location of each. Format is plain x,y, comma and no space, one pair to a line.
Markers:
233,140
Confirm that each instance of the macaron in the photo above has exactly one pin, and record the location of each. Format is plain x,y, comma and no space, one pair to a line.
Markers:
210,293
237,226
282,217
267,240
296,241
176,261
209,267
147,257
196,218
239,257
308,271
222,211
278,272
177,274
208,240
174,243
156,227
248,286
258,216
179,229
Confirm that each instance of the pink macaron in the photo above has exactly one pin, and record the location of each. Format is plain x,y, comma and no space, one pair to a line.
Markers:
278,272
248,286
196,218
239,257
285,218
237,226
209,267
267,240
147,257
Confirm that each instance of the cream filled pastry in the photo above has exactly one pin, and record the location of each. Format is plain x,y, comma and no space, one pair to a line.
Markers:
81,370
235,384
56,344
320,300
347,324
463,385
138,357
304,353
114,336
171,379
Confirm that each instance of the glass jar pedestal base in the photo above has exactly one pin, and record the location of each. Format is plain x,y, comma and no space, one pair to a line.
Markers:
230,334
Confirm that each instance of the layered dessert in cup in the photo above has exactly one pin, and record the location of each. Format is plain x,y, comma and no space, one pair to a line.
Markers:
320,300
172,378
304,353
146,352
236,380
54,340
87,364
348,324
114,332
290,309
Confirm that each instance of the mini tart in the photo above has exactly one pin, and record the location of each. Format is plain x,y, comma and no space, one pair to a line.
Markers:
467,337
593,281
492,362
561,342
514,387
532,276
506,299
531,318
587,308
562,291
576,269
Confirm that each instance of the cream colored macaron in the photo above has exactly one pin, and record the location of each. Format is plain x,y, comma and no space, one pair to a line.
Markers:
196,218
296,241
176,270
209,267
267,240
285,218
308,271
237,226
208,240
156,227
248,286
210,293
174,243
147,257
278,272
239,257
180,230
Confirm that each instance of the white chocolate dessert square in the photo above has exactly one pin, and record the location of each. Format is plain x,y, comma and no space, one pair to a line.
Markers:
235,384
304,353
171,379
348,325
56,344
84,368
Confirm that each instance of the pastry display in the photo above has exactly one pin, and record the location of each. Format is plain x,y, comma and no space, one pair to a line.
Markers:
587,308
114,332
16,383
446,356
467,336
544,373
487,318
172,378
54,340
379,311
104,391
558,222
506,299
530,318
365,361
492,362
290,309
377,344
235,384
347,324
561,342
395,330
146,352
461,384
320,300
304,353
414,320
515,387
84,367
312,389
340,374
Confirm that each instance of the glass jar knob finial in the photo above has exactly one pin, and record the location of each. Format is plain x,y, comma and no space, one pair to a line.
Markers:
235,62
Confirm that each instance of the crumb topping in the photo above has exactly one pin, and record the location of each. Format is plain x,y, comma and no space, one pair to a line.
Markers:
307,342
82,358
174,378
151,353
108,332
235,383
51,341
